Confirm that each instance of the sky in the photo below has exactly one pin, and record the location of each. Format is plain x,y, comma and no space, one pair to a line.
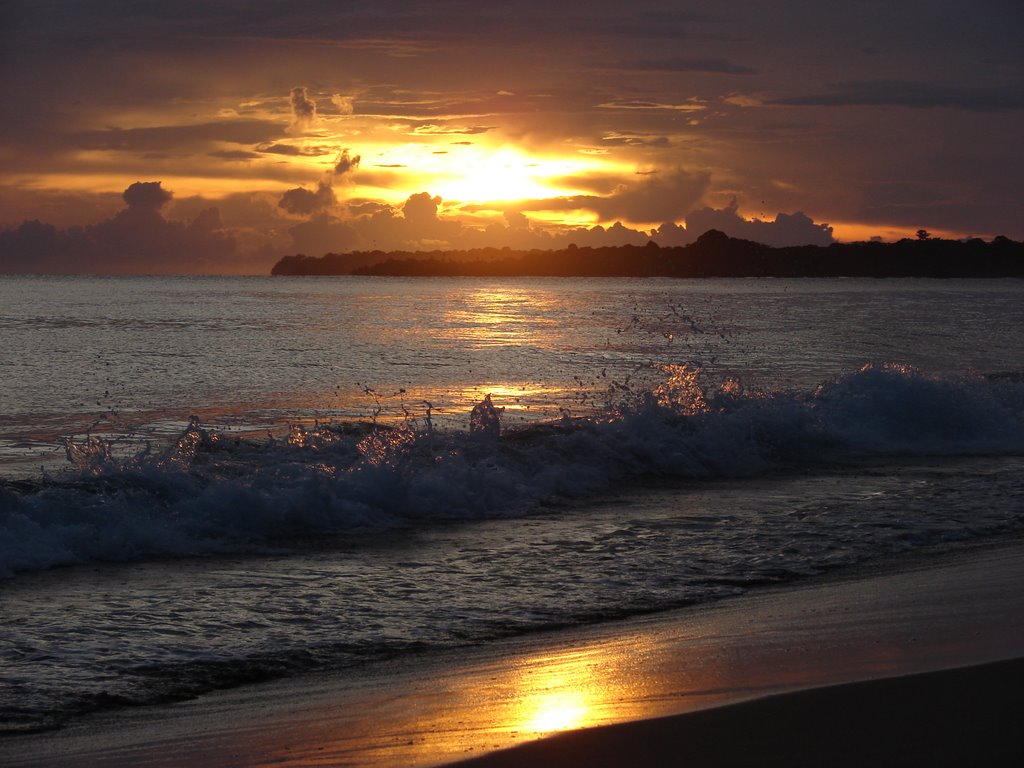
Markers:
216,137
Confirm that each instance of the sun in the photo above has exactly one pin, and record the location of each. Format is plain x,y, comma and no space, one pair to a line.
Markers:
503,175
477,174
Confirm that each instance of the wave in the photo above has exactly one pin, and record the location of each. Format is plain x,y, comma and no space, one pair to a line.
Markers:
211,492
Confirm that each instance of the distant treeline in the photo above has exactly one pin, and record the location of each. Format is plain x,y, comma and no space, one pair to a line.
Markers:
714,254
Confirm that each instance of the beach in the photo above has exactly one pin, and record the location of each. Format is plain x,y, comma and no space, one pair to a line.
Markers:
717,670
697,495
416,385
966,716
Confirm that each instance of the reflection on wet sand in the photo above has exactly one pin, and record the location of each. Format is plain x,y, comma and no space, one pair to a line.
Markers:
739,649
559,711
490,705
439,708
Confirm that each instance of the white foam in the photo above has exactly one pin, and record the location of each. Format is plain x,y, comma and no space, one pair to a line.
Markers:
208,494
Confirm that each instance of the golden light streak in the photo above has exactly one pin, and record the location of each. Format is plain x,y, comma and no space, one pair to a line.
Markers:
115,183
847,232
495,317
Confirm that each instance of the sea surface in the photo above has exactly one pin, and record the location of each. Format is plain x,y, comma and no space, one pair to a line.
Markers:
206,482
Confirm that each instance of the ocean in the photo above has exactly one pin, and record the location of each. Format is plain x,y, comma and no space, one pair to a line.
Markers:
207,482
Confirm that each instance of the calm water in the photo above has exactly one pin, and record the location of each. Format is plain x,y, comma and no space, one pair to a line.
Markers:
209,481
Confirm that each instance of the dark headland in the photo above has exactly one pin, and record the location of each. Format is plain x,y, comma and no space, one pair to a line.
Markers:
713,254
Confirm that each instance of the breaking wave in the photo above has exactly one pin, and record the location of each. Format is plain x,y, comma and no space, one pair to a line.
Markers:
212,492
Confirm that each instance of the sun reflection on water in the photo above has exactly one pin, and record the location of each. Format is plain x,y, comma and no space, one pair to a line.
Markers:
500,316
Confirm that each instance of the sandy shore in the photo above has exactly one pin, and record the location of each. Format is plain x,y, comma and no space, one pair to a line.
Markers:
953,610
961,717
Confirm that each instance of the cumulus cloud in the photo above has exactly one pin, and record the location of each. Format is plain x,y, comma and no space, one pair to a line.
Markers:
420,224
415,225
303,202
137,240
303,109
516,220
322,234
421,208
786,229
147,195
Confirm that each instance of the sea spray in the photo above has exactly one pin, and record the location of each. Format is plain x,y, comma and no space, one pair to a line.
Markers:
211,492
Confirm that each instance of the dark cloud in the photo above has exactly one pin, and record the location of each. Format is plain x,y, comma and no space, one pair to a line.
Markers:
787,228
539,80
178,136
919,95
290,150
303,202
597,185
303,109
208,220
235,154
713,65
247,210
415,226
138,240
516,220
147,195
676,24
366,207
693,104
633,140
420,224
662,197
58,207
421,209
322,234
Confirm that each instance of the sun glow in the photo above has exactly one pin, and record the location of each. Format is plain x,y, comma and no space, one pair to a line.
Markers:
504,175
477,173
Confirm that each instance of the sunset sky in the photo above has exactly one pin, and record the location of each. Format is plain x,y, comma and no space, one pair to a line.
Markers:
287,126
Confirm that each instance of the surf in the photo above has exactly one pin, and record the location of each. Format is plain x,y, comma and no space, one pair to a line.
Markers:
214,492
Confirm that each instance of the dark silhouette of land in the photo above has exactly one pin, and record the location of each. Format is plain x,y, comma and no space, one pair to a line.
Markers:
714,254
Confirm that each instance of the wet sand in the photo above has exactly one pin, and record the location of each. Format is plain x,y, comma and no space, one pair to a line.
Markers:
945,611
959,717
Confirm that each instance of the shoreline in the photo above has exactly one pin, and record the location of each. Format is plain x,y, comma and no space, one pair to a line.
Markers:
950,609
